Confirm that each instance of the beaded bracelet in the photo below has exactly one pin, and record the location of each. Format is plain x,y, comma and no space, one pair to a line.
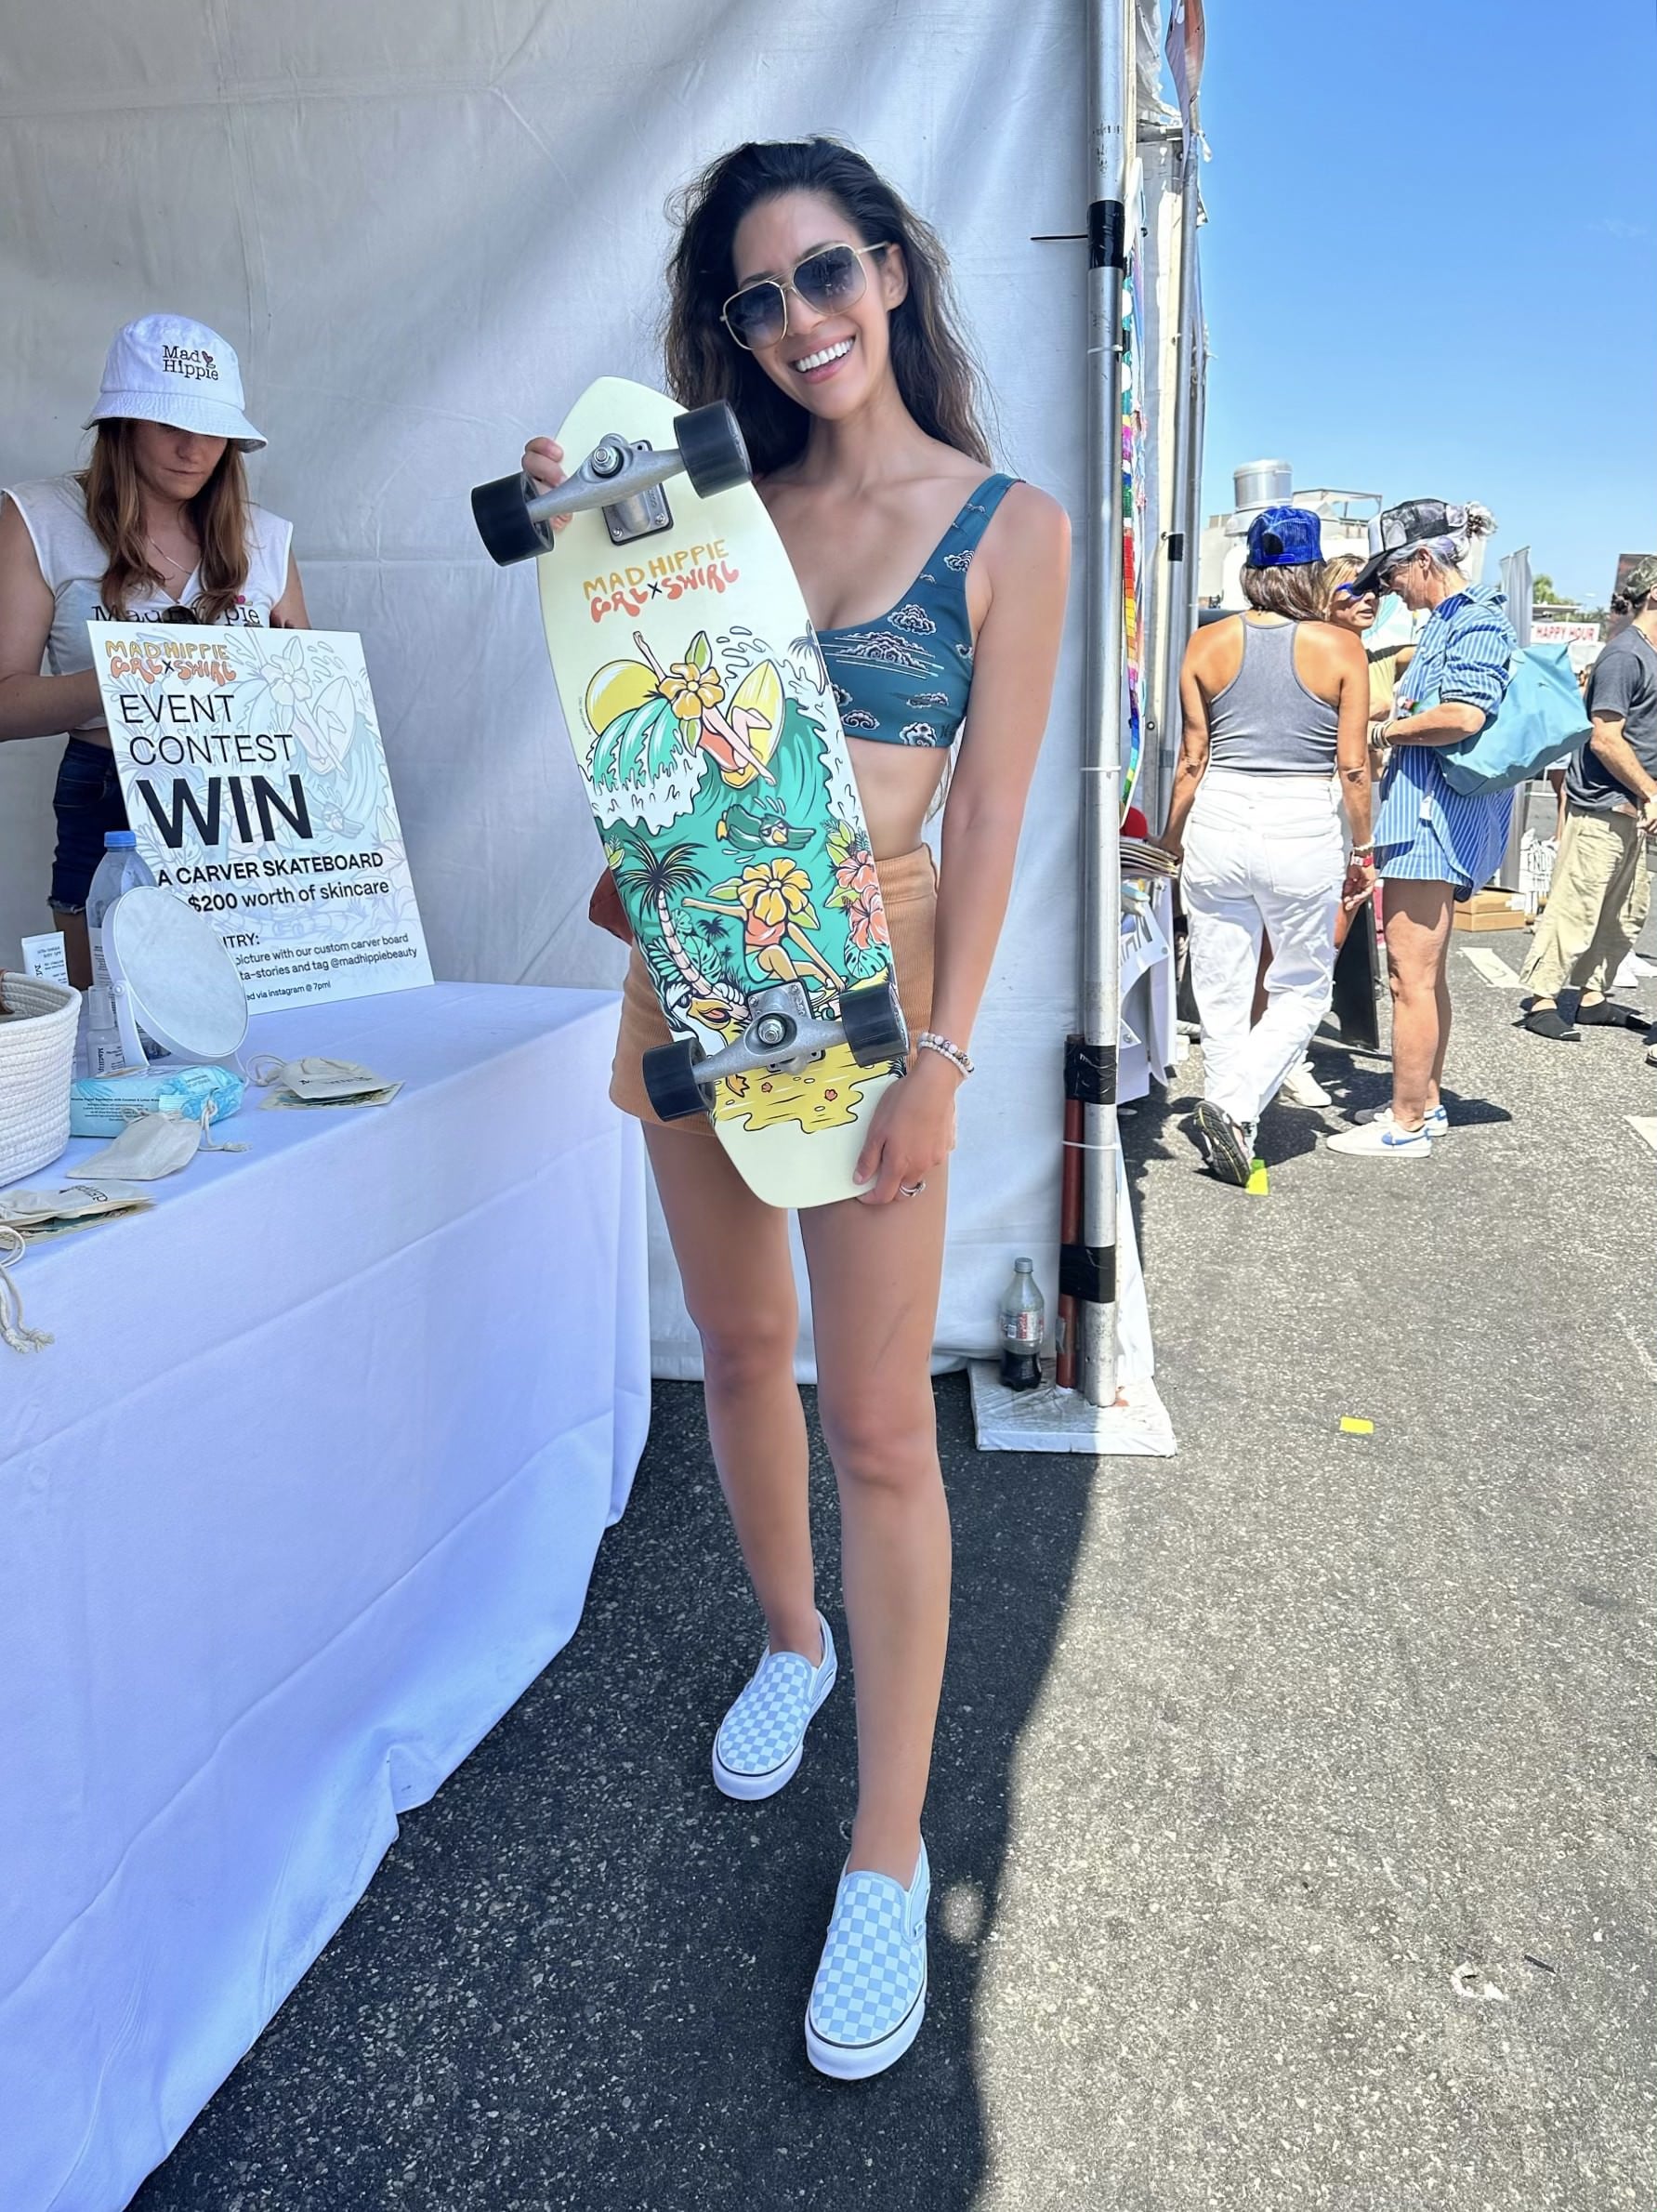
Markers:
929,1041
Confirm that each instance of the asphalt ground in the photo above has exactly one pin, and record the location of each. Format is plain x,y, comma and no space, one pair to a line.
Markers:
1291,1812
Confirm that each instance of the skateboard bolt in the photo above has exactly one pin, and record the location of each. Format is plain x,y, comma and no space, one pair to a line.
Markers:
770,1029
608,459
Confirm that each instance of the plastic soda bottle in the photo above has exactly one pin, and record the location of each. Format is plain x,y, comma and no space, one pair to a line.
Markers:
1022,1318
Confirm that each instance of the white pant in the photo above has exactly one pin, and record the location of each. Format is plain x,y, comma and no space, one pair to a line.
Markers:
1261,852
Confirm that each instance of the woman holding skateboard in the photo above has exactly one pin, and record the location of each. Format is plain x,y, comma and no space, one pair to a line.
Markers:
804,293
158,527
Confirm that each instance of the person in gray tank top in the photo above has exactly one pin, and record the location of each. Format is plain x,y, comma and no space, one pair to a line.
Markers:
1267,720
1275,704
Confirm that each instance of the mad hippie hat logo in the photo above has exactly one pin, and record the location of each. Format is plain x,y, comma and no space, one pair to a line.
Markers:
168,369
190,362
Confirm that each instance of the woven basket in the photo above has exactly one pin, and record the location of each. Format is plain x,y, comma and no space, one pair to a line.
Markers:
36,1067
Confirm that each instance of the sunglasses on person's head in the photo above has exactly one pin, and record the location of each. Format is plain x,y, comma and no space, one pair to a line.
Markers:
832,277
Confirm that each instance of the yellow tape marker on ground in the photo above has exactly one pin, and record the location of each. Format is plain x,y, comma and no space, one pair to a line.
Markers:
1351,1426
1257,1185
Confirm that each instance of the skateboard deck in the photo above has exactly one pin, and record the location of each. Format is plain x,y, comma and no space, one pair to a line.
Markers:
708,737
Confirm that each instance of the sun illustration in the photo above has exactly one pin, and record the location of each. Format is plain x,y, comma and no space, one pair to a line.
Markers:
824,1096
619,689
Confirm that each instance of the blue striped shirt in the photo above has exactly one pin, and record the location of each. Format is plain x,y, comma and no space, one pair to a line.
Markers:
1463,656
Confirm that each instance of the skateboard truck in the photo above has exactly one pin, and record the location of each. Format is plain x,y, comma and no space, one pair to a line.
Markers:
621,476
783,1035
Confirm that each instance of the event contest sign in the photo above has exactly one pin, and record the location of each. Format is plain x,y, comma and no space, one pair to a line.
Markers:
256,788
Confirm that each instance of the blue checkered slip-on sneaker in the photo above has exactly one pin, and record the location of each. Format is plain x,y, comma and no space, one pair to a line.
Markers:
870,1995
762,1737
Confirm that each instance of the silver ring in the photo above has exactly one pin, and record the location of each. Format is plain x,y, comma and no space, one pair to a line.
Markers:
910,1189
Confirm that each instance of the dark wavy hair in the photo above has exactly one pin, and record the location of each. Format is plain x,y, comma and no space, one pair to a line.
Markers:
935,370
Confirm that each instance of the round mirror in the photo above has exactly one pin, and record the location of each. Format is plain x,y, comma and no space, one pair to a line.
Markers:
180,980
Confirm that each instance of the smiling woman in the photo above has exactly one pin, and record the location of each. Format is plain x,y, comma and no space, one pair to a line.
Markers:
864,220
805,294
158,527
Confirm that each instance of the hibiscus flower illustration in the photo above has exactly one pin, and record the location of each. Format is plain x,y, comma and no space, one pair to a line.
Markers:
865,918
688,689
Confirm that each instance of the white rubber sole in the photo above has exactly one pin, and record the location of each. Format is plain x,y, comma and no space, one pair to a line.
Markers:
856,2063
749,1789
1436,1131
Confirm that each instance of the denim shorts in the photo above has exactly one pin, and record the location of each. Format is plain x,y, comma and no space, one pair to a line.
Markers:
86,803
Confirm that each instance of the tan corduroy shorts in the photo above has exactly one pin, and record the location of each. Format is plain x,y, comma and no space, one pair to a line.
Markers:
908,891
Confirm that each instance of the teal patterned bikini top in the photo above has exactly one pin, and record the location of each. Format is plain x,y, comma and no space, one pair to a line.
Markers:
903,679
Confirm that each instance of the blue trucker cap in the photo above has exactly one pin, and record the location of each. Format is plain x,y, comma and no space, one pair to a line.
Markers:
1284,537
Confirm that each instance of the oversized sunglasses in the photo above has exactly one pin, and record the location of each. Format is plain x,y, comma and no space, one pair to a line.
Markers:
832,277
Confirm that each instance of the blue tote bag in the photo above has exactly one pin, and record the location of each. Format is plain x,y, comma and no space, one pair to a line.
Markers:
1541,719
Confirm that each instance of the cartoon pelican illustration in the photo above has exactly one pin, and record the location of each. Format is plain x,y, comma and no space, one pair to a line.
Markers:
760,826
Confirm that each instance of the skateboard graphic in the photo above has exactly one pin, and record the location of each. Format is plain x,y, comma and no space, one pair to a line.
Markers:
708,736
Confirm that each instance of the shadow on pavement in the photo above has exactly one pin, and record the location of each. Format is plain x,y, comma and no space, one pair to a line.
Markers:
579,1977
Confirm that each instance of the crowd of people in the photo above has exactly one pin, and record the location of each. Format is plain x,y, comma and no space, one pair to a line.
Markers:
1288,724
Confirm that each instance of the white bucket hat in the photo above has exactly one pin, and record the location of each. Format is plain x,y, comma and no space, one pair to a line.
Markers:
168,369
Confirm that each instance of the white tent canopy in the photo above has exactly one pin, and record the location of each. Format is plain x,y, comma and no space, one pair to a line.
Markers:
426,227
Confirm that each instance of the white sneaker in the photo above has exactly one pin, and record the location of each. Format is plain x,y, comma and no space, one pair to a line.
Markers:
1382,1140
1301,1087
1436,1121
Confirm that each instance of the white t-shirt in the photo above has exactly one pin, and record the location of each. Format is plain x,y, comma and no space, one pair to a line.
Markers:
73,561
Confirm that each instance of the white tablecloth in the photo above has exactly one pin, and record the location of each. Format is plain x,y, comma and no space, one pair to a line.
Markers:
304,1496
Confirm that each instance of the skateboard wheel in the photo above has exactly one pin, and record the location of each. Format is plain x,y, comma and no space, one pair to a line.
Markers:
670,1080
711,446
873,1022
501,512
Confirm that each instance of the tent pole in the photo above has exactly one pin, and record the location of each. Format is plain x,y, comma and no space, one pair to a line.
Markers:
1089,1266
1184,479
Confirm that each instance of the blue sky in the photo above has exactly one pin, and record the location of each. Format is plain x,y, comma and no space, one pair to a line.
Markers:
1431,261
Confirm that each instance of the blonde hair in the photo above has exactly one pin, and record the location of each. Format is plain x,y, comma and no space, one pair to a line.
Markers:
1298,592
115,511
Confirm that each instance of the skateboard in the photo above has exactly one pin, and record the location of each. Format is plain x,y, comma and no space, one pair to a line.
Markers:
708,736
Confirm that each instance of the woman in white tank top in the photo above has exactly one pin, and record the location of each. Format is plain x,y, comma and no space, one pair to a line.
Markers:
157,528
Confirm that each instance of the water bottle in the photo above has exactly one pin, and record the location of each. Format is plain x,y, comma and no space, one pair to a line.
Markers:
1022,1318
120,870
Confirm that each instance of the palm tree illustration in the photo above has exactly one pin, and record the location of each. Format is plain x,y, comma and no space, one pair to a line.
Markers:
806,649
665,875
